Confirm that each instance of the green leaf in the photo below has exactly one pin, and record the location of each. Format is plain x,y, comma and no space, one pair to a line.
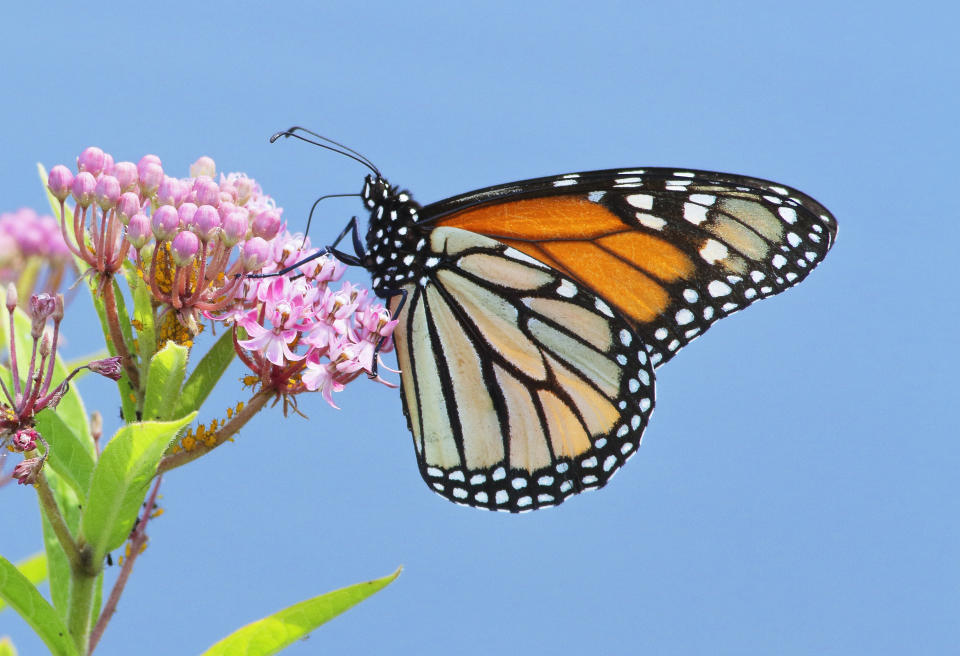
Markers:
283,628
24,598
68,456
34,568
120,481
142,311
6,647
167,369
205,375
58,565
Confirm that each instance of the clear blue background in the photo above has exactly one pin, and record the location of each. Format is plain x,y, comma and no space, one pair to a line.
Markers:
796,490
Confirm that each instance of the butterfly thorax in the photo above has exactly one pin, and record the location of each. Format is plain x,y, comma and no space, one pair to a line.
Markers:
395,242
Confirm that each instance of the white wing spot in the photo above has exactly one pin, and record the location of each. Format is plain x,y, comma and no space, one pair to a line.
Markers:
564,183
684,317
788,214
683,174
499,474
713,251
431,261
635,421
565,486
634,385
478,479
718,288
456,476
661,333
793,239
779,190
501,497
703,199
433,471
627,181
524,501
567,289
590,480
651,221
519,483
481,497
460,493
517,255
625,337
562,467
641,201
626,448
644,404
545,481
603,307
609,462
690,295
595,196
778,261
408,260
695,214
589,462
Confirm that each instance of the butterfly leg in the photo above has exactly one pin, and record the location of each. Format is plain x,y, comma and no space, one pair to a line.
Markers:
346,258
388,294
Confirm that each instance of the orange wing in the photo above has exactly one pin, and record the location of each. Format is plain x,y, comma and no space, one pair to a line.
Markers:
671,251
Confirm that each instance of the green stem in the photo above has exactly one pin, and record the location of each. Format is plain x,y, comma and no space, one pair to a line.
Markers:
229,430
60,529
82,590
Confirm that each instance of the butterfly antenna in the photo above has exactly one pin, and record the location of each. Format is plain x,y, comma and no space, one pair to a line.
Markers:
336,146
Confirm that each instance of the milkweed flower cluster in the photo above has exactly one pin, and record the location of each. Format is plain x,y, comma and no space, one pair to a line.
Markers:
180,231
302,332
26,237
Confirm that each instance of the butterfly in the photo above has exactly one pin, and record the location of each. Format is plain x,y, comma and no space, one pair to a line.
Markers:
533,314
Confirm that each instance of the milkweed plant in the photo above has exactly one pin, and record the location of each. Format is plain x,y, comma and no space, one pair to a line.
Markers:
165,259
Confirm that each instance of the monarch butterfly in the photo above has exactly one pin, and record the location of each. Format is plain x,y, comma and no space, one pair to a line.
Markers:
532,314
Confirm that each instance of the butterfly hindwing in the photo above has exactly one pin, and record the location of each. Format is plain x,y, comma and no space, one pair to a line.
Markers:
670,250
520,386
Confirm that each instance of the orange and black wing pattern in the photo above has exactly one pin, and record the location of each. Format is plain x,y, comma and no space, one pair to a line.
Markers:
669,250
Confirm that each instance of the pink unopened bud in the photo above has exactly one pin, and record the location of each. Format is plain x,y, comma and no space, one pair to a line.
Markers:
165,222
168,191
126,174
244,188
204,166
25,439
207,223
107,192
59,181
145,160
255,254
187,213
266,224
109,367
234,228
27,471
41,307
127,206
83,188
139,230
207,191
184,248
92,160
151,175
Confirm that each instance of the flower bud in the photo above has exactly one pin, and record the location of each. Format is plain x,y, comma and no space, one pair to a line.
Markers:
107,192
184,248
235,228
83,188
204,166
25,439
148,159
168,191
127,206
165,222
41,307
126,174
266,224
107,164
207,223
92,160
187,213
151,175
11,297
255,254
109,367
27,471
59,181
244,186
139,231
207,191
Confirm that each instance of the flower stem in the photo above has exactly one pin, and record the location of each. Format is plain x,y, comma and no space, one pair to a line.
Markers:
229,429
138,539
79,608
60,529
116,336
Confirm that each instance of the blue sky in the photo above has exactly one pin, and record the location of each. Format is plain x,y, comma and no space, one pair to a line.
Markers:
796,489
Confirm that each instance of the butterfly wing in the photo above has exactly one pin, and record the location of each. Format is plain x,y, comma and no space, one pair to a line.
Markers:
670,250
519,386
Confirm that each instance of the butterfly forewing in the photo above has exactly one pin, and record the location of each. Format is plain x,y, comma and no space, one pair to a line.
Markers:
520,386
670,250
